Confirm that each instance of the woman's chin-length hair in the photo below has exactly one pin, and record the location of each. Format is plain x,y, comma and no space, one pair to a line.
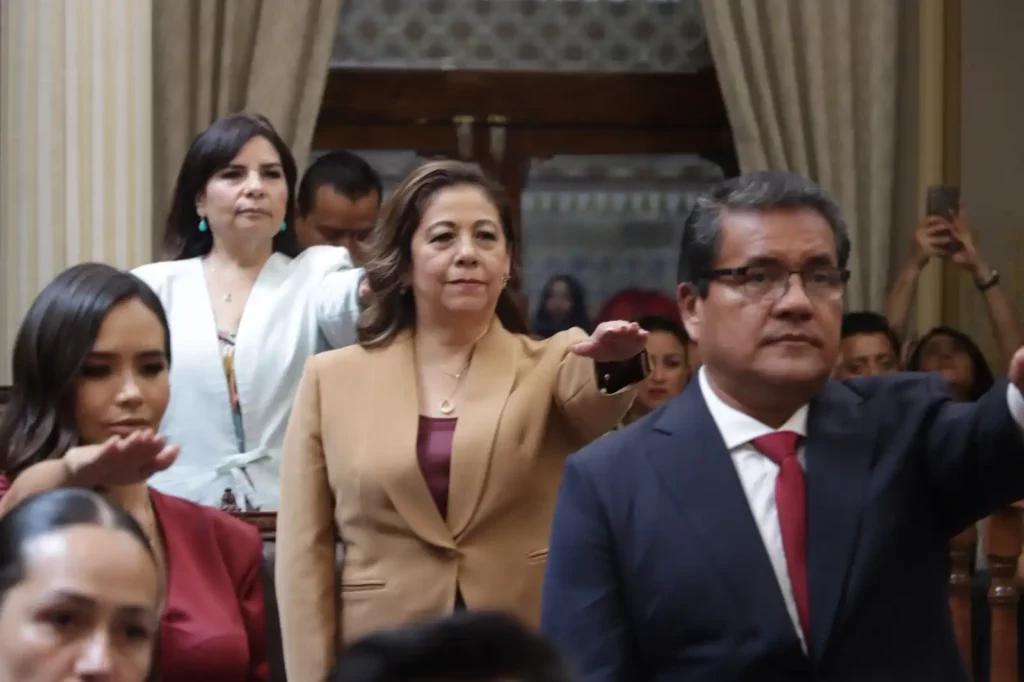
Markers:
391,309
212,151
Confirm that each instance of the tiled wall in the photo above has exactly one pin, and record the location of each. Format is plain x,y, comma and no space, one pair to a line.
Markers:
563,35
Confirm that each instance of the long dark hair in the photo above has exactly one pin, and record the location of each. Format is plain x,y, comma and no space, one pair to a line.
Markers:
212,151
52,344
392,310
544,325
472,645
982,373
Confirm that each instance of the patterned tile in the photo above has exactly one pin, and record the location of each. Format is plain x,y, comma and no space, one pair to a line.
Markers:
564,35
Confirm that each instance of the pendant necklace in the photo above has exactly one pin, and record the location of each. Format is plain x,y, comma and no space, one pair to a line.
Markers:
447,406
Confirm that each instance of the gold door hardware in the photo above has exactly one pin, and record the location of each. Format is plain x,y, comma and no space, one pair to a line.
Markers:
496,126
464,135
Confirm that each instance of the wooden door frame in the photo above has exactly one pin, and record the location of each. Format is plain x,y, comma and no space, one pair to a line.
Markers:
543,113
555,113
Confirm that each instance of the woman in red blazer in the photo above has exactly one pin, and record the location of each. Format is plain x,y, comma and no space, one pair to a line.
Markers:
90,388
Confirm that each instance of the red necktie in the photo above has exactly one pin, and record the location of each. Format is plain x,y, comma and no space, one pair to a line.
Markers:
791,501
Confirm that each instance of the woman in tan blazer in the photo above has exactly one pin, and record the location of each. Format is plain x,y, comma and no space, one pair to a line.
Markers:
434,449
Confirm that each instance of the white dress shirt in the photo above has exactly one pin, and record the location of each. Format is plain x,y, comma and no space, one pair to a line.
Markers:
757,473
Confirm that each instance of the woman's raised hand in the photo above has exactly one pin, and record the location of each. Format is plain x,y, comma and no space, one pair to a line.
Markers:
614,341
120,460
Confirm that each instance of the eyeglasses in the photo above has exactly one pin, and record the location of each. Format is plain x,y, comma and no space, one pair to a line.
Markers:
770,282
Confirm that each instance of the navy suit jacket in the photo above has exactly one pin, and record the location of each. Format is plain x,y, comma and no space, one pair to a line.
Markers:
657,571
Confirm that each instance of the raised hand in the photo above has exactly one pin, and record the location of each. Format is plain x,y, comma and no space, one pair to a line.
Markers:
933,237
966,254
365,293
1016,372
120,461
613,342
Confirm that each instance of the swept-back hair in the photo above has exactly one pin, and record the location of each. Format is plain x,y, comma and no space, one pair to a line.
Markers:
51,511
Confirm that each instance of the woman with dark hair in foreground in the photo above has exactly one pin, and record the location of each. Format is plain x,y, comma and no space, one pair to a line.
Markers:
90,387
80,591
466,647
246,309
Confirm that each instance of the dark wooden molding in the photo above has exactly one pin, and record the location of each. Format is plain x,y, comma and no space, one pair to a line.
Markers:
534,99
549,112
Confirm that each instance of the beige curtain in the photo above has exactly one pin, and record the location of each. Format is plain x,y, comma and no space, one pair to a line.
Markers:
75,151
216,57
811,86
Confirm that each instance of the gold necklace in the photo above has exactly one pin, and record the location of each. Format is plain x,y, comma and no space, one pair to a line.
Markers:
447,406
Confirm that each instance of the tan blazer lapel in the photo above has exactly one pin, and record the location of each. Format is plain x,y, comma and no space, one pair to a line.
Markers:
392,442
480,404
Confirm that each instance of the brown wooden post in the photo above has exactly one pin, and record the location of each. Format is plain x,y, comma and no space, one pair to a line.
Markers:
960,551
1003,539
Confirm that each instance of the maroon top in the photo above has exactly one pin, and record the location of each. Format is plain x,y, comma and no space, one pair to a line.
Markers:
434,452
213,626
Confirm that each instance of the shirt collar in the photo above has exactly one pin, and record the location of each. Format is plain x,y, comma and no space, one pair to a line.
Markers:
738,428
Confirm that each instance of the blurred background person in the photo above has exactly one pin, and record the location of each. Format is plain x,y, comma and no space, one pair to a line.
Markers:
439,474
466,647
633,304
245,310
91,366
563,305
338,201
951,239
80,591
667,344
868,346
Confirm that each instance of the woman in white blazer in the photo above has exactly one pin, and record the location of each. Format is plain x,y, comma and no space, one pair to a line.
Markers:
245,309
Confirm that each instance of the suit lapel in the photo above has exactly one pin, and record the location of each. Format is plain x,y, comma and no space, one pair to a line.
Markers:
692,460
481,401
393,442
839,455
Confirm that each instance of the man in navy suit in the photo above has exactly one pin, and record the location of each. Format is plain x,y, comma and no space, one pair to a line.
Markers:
770,524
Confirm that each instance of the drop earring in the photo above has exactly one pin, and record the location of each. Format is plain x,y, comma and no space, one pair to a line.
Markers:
203,226
284,226
505,280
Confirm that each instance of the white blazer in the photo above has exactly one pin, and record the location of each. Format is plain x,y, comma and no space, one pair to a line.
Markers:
297,307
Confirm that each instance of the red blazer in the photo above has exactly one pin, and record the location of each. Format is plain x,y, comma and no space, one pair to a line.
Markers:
214,627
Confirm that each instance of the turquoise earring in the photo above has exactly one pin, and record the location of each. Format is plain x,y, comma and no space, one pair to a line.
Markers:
203,227
284,226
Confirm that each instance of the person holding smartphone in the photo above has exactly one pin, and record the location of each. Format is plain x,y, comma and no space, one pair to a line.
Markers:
945,233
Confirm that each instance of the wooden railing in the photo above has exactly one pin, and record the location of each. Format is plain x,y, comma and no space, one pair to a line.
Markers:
1002,544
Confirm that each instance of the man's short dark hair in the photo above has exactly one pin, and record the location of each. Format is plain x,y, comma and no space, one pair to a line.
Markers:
468,646
868,322
346,173
752,192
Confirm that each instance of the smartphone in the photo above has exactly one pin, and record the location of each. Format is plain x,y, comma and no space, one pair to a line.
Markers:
943,201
